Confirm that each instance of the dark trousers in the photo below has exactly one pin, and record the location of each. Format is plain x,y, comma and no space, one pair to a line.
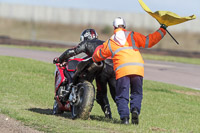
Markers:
134,82
104,78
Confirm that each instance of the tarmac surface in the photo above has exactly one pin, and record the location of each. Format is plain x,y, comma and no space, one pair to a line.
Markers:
186,75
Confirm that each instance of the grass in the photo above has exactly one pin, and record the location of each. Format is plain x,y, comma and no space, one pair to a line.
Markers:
186,60
27,91
35,48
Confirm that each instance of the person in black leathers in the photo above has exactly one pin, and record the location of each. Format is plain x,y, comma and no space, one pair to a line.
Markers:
89,42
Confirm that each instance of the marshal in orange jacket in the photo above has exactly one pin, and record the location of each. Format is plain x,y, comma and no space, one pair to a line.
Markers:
123,47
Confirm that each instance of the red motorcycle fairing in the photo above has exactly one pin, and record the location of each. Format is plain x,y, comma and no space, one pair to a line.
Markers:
59,76
59,73
65,107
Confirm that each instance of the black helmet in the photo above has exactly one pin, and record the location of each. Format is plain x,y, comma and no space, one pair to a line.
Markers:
88,34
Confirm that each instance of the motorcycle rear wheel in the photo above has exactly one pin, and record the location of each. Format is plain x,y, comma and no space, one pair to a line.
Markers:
83,106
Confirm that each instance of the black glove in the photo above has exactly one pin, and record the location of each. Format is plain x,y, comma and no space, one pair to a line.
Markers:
56,60
163,26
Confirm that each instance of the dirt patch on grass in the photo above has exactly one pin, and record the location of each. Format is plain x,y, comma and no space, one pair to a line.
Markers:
187,92
9,125
157,129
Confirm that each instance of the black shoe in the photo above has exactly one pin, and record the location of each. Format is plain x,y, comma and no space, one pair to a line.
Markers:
135,117
107,112
125,120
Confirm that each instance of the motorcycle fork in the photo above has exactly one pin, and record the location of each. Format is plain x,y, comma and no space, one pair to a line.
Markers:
72,96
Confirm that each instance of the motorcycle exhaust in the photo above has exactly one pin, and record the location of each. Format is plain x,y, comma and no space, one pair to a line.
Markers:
95,66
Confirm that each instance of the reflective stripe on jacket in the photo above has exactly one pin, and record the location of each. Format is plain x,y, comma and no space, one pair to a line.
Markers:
123,47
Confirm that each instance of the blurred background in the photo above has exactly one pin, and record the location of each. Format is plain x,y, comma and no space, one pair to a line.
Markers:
62,21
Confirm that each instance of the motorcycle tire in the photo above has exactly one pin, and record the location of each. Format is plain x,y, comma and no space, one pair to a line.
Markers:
86,94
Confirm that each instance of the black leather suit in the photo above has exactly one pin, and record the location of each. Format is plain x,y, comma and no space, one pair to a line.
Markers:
106,76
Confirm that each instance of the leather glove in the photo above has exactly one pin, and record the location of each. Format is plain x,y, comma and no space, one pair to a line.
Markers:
56,60
163,26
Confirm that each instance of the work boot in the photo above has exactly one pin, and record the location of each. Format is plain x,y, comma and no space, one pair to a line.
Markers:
107,112
125,120
135,116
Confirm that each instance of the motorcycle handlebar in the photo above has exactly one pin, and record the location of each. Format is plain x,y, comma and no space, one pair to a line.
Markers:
61,64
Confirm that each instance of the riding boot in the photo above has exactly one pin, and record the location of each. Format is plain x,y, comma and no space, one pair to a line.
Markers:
105,106
107,111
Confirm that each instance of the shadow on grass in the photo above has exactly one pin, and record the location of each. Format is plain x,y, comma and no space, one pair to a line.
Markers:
68,115
103,119
49,112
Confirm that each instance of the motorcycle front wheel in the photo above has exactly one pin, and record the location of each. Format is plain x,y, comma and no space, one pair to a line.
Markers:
85,100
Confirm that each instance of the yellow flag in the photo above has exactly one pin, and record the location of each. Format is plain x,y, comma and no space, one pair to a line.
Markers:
166,17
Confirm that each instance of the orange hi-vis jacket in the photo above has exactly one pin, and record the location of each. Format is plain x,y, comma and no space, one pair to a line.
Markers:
123,47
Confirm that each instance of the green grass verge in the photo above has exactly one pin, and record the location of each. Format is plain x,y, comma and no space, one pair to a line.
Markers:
35,48
195,61
186,60
27,91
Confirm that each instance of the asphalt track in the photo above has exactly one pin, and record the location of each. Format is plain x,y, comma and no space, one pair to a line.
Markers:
185,75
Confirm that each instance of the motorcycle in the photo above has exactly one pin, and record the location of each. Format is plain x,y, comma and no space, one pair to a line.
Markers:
74,91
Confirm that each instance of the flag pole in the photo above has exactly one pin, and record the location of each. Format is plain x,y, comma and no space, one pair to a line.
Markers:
172,37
